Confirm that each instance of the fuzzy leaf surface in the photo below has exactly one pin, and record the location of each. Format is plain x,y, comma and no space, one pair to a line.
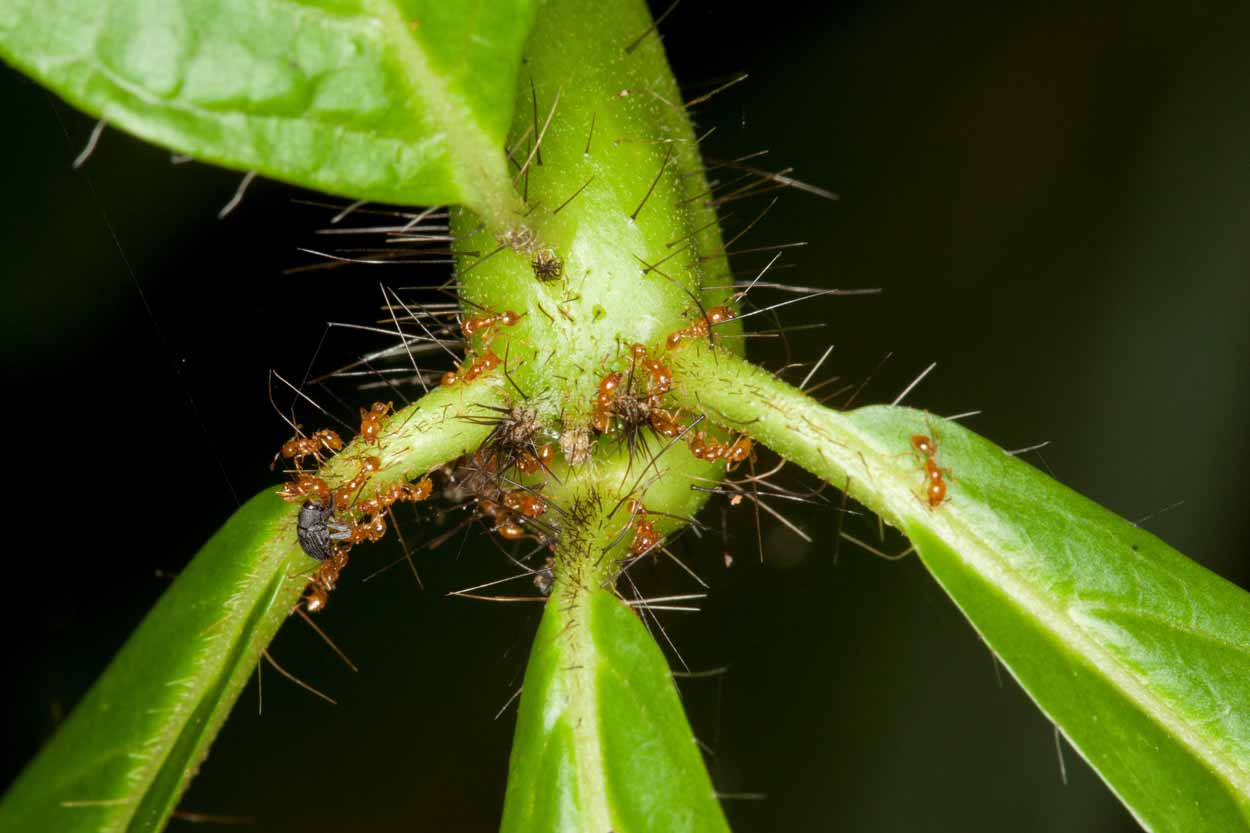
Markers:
404,101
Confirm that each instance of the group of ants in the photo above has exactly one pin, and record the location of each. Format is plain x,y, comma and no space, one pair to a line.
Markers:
333,519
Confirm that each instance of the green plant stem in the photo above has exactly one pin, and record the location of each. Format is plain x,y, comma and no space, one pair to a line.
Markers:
620,198
446,423
743,397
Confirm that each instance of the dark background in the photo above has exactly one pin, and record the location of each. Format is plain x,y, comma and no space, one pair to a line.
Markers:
1054,202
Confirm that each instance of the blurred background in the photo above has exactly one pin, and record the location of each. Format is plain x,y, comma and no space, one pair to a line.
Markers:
1054,200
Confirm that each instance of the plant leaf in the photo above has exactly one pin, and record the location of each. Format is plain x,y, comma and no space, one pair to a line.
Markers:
601,739
404,101
125,755
1139,655
126,752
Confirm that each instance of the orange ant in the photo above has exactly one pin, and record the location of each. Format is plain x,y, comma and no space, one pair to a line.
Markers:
484,363
316,598
525,503
712,450
323,537
502,516
372,529
492,510
371,421
935,483
700,328
418,492
645,536
486,323
633,409
324,581
529,463
664,423
661,376
305,486
923,444
346,491
601,416
297,448
385,499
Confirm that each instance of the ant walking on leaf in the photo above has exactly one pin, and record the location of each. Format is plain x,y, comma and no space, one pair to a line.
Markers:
299,447
926,445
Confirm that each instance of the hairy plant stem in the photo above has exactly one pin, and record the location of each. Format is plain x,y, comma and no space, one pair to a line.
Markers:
442,425
745,398
619,201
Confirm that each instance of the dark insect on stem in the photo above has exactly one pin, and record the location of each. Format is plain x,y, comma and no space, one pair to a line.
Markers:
316,529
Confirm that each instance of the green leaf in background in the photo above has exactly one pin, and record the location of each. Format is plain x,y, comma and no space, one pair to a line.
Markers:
602,741
1139,655
404,101
127,751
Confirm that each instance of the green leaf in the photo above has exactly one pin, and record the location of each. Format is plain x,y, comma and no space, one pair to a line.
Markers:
1139,655
404,101
601,741
125,754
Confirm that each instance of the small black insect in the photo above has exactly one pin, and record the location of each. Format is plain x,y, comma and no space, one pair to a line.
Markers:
316,528
547,266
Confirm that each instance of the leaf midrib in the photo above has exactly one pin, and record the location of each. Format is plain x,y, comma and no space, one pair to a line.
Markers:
584,712
471,151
